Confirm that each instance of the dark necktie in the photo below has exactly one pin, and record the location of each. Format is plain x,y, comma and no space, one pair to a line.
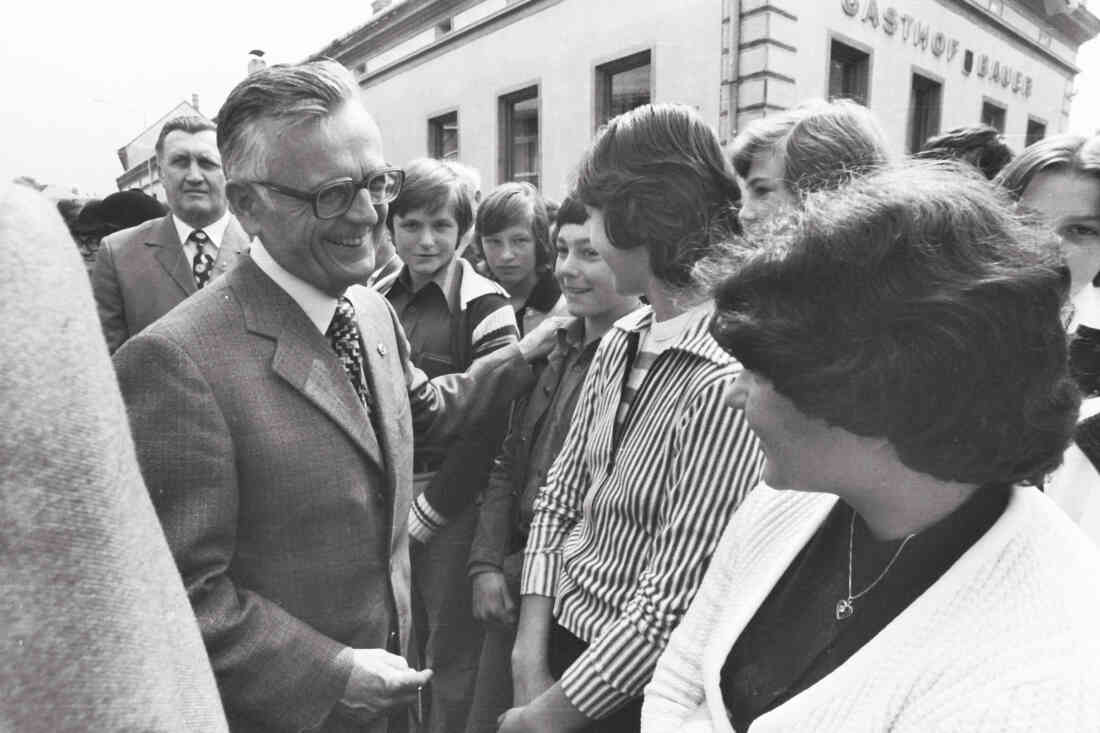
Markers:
202,266
343,332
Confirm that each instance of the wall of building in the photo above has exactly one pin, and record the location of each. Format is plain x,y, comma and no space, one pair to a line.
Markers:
558,48
1035,86
781,51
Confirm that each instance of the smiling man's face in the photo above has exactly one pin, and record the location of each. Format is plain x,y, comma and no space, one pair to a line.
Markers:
331,254
194,182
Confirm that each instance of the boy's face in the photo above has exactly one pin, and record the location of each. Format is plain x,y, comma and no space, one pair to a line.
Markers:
510,254
586,281
425,241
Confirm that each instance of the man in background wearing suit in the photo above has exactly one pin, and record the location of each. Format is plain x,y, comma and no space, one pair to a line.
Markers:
142,273
274,416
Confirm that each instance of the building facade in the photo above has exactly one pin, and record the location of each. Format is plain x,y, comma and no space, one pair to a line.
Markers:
517,88
139,156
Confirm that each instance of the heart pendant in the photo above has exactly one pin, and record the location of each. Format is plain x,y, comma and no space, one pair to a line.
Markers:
844,609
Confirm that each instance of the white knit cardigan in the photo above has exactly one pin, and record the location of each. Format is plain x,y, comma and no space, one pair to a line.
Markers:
1008,639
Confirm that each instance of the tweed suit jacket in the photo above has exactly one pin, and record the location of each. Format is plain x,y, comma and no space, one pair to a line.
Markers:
95,630
285,509
141,273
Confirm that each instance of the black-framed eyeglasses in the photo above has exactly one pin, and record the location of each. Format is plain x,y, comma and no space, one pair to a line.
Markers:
334,198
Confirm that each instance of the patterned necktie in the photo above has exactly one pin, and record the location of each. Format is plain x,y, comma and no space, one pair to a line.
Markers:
202,266
343,332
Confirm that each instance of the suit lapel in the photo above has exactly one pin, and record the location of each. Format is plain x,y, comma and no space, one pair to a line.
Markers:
169,253
379,377
323,381
303,358
234,244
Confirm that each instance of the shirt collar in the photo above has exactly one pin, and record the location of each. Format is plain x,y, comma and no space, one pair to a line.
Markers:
572,334
318,306
215,231
544,296
444,279
695,338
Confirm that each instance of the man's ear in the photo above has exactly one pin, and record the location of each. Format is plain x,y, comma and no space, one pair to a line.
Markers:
246,205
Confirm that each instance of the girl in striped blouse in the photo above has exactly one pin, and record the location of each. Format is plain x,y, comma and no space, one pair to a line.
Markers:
655,462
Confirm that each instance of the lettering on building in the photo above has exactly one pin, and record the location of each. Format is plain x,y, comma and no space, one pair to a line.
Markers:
924,36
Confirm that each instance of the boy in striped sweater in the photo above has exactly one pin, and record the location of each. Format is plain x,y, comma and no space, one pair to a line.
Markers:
452,316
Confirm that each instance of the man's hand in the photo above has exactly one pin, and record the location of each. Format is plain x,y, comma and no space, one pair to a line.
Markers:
492,602
541,340
380,681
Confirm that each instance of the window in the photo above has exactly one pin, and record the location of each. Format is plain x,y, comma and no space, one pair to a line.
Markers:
1036,131
849,72
443,136
993,115
925,101
519,136
622,85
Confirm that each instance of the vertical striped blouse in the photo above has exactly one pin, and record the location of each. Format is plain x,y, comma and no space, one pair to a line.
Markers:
629,517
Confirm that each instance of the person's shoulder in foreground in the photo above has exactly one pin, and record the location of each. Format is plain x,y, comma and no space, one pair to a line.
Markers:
1022,603
96,628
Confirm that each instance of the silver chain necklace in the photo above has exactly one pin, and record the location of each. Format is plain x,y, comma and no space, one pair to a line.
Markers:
844,607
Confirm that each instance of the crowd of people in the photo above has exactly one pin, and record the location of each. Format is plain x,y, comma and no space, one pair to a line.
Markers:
795,435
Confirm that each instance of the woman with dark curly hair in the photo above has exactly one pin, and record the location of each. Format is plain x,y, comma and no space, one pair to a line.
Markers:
654,463
905,371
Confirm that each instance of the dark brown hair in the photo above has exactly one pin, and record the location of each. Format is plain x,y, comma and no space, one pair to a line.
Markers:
912,305
658,175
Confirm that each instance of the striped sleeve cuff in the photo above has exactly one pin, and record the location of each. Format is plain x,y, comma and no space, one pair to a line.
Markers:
585,682
424,522
540,574
500,322
493,342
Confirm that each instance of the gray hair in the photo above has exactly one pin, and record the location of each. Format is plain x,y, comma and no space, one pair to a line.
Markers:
288,94
191,124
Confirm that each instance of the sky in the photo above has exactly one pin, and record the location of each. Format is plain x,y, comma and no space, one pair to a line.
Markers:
83,79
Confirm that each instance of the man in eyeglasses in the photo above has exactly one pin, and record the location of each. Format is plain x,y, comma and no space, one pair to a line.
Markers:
275,414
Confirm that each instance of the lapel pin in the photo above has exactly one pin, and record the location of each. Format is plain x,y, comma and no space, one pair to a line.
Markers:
381,349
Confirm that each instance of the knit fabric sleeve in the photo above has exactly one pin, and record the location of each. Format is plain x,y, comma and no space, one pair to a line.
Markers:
465,470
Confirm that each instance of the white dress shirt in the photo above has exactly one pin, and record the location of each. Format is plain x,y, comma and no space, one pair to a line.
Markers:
214,233
319,307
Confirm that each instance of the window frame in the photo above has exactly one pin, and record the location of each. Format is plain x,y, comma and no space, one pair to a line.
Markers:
869,59
602,77
505,110
910,133
1033,120
990,101
435,138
